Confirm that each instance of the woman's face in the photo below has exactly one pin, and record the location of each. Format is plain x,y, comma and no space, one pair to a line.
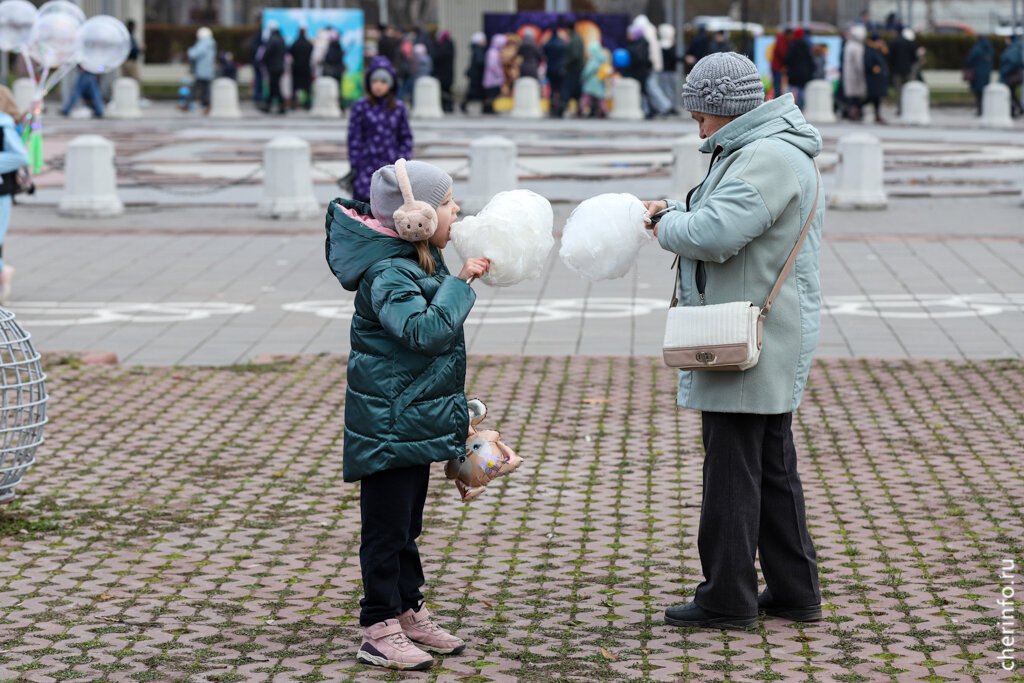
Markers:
446,215
709,123
379,88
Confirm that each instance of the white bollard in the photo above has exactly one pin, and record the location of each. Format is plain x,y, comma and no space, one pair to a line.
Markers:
914,102
90,182
224,99
325,98
526,99
859,173
818,105
426,98
626,100
492,169
24,89
288,180
995,106
126,99
689,165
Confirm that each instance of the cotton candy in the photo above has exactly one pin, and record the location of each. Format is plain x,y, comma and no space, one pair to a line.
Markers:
603,236
513,231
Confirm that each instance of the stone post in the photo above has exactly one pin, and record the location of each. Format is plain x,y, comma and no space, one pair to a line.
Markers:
288,180
126,99
90,181
626,100
995,106
492,169
24,89
426,98
859,173
914,103
224,99
818,106
526,99
325,98
688,165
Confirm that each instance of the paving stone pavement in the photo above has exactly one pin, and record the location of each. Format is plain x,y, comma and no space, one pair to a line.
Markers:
190,523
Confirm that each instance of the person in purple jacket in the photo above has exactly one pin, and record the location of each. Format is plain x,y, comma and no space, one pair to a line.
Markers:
378,128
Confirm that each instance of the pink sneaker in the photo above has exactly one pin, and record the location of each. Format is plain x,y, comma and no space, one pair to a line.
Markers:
428,635
384,644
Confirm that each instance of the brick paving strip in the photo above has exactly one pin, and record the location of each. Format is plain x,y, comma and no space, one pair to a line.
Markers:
191,524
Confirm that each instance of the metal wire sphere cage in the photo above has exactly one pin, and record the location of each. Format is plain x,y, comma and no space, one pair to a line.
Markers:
22,404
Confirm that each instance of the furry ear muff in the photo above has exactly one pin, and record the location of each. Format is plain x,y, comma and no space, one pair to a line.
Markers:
415,221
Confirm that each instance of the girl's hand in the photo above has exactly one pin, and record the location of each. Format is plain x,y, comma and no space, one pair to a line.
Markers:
474,267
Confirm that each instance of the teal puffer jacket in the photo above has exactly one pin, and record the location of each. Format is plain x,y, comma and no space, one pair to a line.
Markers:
404,404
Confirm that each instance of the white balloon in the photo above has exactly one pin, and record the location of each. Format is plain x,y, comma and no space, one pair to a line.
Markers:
513,231
16,19
52,39
603,236
102,44
63,7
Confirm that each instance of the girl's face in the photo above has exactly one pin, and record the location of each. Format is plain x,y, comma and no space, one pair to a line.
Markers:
709,123
379,88
446,215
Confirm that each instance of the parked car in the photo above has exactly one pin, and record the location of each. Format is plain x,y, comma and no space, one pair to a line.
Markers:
947,27
714,24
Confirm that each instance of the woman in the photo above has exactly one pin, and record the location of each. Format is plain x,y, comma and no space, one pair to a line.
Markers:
12,158
592,101
855,85
494,72
475,70
978,68
732,236
876,73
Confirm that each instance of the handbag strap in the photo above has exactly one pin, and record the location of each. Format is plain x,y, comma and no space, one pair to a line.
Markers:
796,247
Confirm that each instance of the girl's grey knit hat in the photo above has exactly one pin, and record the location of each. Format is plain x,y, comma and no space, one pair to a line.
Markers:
723,84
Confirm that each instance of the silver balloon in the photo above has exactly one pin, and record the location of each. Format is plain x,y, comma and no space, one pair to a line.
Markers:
22,404
63,7
52,39
16,19
102,44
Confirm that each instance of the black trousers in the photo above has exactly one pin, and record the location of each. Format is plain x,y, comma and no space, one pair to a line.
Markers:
753,502
391,503
274,95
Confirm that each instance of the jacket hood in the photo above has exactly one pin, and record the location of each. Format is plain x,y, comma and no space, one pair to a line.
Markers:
379,62
779,118
498,41
353,247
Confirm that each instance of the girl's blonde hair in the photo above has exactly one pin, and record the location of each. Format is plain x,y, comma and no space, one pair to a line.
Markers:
8,105
424,256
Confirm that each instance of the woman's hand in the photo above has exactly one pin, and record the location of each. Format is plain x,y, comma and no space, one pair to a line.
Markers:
654,207
474,267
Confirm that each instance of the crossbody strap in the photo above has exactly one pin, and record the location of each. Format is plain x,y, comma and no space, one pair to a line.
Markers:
796,247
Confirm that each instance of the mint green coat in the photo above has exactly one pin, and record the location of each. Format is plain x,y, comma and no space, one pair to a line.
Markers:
743,222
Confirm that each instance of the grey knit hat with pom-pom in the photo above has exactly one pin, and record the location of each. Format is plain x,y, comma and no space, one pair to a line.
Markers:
723,84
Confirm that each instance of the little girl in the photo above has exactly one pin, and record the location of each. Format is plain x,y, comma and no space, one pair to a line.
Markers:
378,128
404,406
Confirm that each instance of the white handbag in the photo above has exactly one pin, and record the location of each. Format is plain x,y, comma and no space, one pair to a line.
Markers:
723,336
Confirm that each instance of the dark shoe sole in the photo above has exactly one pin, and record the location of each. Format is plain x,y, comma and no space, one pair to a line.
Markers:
366,658
804,614
439,650
727,623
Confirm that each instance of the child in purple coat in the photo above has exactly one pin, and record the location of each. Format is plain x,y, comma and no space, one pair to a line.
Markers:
378,128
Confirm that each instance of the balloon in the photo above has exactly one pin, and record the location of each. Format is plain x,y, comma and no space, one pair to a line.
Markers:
16,19
102,44
52,39
63,7
620,58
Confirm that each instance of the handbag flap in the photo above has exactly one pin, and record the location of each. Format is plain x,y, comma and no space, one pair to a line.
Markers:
712,325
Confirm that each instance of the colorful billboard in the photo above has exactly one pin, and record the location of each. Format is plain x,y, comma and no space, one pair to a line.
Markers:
347,22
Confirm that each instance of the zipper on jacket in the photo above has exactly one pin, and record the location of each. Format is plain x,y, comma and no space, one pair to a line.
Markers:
700,277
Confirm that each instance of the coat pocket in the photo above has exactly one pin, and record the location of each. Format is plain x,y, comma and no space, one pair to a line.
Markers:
426,380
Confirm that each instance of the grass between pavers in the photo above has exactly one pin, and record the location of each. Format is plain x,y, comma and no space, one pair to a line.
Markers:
191,524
